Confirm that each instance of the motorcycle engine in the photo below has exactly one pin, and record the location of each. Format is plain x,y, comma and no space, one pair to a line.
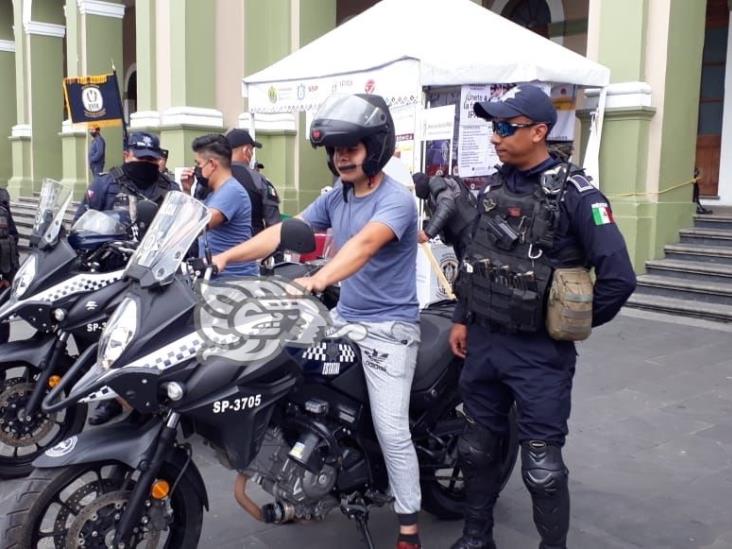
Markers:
307,493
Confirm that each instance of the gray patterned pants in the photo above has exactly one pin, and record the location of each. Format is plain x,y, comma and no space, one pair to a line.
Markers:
389,355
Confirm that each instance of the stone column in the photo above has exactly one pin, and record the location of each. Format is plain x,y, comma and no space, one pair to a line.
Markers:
39,71
653,48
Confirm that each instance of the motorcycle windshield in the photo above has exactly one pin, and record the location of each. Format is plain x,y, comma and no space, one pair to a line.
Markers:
55,200
99,223
175,227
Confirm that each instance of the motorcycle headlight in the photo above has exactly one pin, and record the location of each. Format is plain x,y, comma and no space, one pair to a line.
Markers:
25,275
119,332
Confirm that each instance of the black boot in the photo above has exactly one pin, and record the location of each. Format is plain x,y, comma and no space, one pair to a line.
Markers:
478,450
106,412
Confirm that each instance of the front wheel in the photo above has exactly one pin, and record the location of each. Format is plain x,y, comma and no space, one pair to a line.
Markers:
22,437
443,489
81,505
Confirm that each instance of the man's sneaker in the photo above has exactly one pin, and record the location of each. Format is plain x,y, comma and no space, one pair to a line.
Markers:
106,412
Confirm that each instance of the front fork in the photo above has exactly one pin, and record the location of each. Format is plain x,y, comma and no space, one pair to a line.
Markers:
47,368
149,468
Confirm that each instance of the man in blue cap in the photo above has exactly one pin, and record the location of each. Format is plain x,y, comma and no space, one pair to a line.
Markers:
139,176
538,218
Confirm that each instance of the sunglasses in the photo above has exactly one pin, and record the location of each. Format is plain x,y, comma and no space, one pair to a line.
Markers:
507,129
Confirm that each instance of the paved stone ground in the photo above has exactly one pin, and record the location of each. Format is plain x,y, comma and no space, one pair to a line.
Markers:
650,454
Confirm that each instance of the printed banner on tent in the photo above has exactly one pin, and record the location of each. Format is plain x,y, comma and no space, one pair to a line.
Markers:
476,154
437,128
93,100
397,82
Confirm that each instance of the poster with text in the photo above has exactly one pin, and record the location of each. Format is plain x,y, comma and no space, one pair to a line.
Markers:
476,155
438,126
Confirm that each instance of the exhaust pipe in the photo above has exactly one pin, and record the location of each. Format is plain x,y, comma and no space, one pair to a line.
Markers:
272,513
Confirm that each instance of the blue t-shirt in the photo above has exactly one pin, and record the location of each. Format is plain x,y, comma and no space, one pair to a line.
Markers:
385,289
233,202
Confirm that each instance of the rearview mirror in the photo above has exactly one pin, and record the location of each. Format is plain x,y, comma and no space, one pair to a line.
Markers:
146,211
297,236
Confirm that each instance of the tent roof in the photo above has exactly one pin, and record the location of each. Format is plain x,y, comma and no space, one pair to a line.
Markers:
456,42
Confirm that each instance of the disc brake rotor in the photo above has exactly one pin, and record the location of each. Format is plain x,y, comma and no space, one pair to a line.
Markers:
96,525
14,431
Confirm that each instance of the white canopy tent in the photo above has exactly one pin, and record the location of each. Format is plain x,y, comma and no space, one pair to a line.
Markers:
451,42
398,47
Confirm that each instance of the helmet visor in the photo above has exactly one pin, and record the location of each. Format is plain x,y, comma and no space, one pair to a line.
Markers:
341,113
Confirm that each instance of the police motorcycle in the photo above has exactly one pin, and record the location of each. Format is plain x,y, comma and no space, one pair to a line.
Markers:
298,426
64,290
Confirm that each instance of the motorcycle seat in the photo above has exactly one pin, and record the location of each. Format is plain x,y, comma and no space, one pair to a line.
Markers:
434,355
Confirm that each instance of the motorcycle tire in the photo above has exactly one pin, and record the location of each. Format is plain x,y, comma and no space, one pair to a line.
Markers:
447,502
20,465
25,513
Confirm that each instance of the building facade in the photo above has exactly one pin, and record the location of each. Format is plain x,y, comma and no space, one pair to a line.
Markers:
180,65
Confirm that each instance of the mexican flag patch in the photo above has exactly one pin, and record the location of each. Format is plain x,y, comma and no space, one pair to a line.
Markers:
602,214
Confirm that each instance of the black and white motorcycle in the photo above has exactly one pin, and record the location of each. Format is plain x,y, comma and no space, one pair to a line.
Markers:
65,290
286,418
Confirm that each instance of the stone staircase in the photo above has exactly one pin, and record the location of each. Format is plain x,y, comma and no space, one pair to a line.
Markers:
695,276
24,211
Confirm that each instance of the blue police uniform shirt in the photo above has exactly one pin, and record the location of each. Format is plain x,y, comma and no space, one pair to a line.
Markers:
385,288
233,202
586,222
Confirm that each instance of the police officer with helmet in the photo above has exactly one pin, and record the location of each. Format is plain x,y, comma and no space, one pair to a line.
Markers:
138,176
525,297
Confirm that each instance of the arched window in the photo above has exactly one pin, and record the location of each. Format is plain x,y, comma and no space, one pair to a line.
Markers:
532,14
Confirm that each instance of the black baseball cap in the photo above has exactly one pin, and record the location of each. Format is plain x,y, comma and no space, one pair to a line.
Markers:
239,138
522,100
144,145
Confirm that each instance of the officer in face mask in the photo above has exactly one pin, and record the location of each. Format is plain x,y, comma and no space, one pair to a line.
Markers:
139,176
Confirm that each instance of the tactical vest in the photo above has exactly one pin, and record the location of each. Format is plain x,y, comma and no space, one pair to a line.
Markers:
510,259
157,193
242,175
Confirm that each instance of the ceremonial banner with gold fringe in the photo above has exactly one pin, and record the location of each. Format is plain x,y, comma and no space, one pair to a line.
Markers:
93,100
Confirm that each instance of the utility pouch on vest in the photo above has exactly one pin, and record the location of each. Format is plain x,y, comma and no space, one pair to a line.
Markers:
499,297
569,307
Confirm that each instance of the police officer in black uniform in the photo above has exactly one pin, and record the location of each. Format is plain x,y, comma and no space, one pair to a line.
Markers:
138,176
263,195
536,215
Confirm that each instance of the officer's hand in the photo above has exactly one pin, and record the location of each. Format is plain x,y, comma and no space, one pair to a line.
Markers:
423,237
459,340
186,179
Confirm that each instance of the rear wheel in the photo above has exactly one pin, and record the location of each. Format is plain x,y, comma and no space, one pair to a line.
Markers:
443,488
81,505
23,438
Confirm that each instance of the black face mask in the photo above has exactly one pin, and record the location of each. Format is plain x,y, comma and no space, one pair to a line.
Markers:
202,181
143,174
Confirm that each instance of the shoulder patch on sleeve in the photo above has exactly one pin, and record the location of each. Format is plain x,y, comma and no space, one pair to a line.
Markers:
581,183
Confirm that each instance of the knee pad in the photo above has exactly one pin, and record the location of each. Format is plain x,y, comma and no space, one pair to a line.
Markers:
542,468
477,446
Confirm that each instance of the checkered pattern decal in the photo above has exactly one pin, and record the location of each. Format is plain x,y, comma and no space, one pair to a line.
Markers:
81,283
105,393
174,353
326,351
